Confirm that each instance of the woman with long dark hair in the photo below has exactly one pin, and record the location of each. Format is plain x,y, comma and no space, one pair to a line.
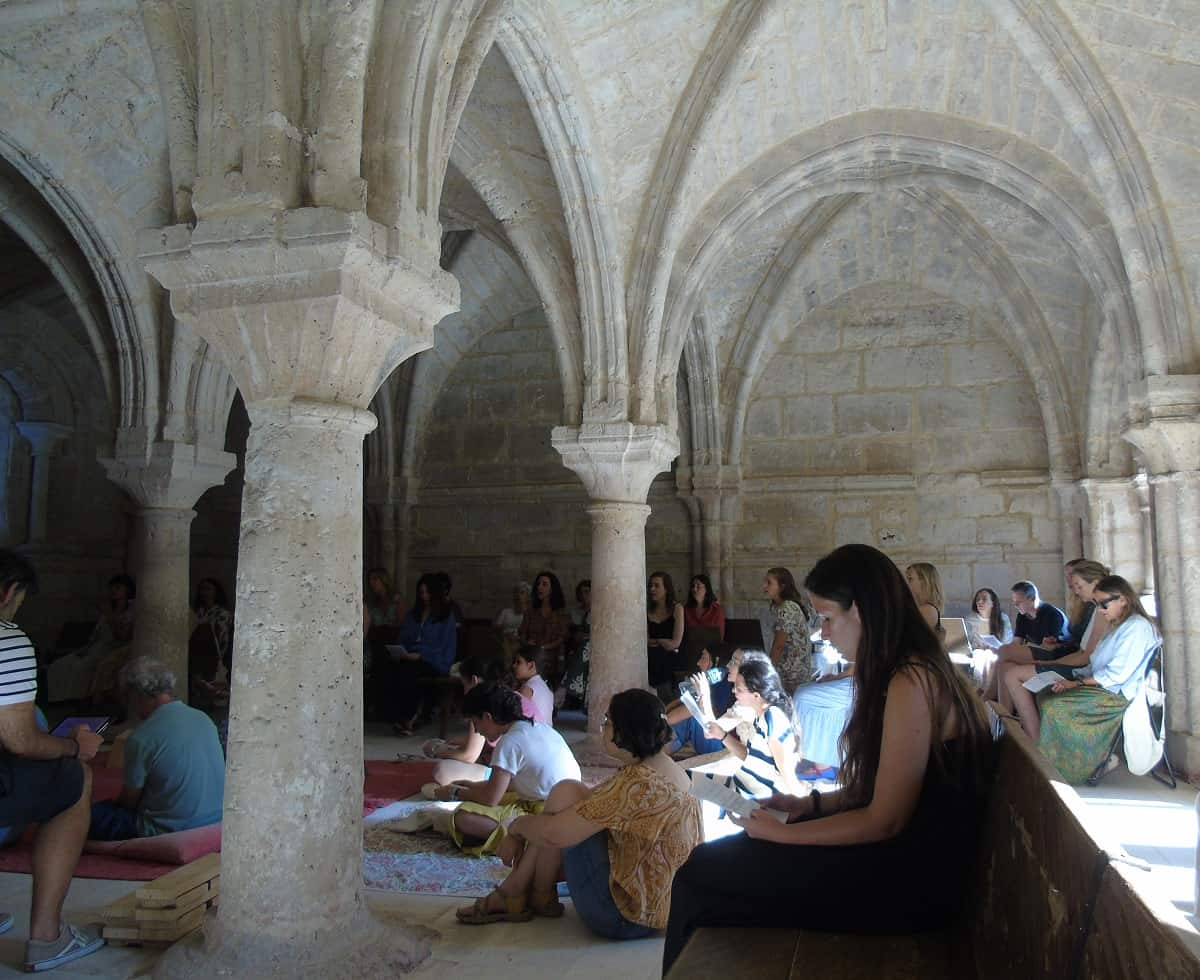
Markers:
702,607
547,621
664,629
428,645
885,852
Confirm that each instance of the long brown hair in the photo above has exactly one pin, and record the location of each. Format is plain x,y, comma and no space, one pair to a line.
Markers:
895,637
1116,585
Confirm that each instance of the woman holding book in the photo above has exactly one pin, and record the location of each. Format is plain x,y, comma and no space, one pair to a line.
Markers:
885,851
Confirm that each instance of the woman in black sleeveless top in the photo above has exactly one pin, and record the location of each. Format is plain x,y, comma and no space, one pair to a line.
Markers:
885,852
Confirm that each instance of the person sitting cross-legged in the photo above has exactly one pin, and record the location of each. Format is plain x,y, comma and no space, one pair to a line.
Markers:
529,758
44,783
174,767
619,845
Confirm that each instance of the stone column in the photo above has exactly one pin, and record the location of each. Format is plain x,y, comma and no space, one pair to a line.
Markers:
712,493
312,310
1165,428
165,480
1114,527
43,438
617,462
1068,503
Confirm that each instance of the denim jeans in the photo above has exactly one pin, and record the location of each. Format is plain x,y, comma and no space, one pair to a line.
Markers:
587,870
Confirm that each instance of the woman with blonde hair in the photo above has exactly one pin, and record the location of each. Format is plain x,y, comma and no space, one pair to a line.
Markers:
926,585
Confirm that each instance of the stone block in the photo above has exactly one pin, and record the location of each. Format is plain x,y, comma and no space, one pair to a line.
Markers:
764,420
490,403
484,443
808,416
874,413
1012,406
936,531
766,458
940,409
765,510
980,503
1012,530
534,364
806,534
756,537
983,364
1036,504
891,456
916,367
853,530
491,367
852,505
832,373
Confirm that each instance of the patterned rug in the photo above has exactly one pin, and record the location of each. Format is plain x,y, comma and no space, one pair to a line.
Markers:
425,863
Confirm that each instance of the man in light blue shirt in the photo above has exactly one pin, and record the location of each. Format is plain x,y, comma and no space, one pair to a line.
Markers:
174,768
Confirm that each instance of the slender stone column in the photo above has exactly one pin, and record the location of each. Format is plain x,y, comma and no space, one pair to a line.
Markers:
1115,532
43,439
1165,428
617,462
311,309
1068,501
165,480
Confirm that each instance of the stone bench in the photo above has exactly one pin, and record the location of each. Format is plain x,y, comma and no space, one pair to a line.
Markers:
1045,900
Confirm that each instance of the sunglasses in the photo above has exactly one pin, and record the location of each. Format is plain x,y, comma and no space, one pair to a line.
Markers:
1104,603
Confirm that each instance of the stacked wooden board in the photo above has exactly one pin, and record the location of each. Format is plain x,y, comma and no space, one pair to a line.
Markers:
165,910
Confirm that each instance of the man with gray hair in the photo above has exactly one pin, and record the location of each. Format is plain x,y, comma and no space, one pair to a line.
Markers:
174,769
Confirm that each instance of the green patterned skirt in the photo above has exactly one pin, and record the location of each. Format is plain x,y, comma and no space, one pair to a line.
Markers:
1078,727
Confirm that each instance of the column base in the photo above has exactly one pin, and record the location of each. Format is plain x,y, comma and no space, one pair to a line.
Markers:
373,945
1183,749
590,751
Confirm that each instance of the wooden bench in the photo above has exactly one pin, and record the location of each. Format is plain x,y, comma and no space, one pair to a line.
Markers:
1045,900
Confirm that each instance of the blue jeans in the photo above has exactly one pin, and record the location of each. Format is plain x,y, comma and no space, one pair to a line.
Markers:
587,870
690,732
112,822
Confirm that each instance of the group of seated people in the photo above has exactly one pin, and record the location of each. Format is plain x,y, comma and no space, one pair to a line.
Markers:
173,773
631,848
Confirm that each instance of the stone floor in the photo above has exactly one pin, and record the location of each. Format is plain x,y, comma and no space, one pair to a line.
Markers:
1152,823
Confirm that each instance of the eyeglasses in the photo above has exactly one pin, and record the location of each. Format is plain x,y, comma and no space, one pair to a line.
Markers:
1104,603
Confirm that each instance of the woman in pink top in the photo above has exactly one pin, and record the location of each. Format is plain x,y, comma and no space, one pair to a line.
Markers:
536,696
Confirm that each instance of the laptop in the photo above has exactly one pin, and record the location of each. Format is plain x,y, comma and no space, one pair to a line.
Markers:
955,639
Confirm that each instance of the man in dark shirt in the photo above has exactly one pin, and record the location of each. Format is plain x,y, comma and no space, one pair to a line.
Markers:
1036,621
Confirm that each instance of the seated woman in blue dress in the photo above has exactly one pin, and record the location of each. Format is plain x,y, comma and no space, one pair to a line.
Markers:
714,697
885,853
428,635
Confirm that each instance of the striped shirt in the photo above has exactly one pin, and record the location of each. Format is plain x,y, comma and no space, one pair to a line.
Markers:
18,666
759,777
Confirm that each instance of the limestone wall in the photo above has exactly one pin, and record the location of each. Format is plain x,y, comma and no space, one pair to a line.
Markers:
496,504
898,419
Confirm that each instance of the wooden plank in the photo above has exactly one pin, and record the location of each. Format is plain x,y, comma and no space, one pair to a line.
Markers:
167,889
200,895
171,931
1036,875
122,912
733,954
1129,940
841,956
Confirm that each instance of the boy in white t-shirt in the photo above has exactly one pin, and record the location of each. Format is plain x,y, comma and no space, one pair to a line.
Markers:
527,762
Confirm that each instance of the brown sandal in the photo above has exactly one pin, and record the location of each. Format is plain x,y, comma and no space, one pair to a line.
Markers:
547,906
478,914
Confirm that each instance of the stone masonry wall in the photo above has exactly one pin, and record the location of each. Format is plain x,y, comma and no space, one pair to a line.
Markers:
496,504
898,419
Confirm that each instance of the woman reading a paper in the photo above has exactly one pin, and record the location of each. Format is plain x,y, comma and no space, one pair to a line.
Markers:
1079,717
884,853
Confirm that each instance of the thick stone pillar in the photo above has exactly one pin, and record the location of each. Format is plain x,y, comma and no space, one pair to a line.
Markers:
165,480
617,462
1165,428
312,310
1114,528
43,438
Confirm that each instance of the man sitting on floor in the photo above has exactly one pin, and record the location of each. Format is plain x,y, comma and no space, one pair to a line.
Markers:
42,781
174,769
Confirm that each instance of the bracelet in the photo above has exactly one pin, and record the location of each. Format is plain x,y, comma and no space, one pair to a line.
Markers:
815,798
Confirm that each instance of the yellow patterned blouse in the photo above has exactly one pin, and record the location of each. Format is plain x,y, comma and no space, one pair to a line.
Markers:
652,828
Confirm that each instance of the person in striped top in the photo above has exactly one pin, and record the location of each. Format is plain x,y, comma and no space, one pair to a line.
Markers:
42,781
770,754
